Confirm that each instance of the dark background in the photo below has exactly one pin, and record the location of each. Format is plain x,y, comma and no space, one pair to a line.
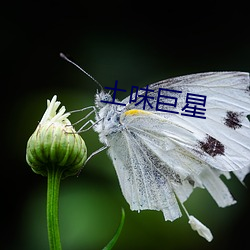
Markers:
136,43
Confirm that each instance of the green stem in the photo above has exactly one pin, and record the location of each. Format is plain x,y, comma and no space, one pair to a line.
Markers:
54,177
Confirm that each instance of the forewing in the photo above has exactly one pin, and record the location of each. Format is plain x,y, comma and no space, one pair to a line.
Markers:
222,139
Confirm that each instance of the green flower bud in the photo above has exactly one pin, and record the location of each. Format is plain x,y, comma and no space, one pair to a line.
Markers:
55,144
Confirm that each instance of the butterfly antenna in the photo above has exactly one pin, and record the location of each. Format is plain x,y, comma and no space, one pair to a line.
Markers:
68,60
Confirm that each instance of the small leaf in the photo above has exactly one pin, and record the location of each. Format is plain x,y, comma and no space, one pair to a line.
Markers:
117,234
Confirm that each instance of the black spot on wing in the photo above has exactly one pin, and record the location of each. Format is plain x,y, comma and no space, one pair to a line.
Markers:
212,146
191,181
233,119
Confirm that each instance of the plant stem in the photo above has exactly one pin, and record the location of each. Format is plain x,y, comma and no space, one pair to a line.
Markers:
54,177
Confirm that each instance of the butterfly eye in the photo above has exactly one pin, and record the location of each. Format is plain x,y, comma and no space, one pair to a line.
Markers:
104,97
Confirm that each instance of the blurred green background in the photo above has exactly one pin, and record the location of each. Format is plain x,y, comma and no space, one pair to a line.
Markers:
136,44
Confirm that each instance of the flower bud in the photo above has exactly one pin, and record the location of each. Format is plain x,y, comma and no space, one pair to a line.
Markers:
55,144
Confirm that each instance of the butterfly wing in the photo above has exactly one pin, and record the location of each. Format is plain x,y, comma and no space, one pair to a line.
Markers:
142,186
161,155
223,138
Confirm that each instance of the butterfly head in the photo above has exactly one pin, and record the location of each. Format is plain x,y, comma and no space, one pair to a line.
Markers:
102,98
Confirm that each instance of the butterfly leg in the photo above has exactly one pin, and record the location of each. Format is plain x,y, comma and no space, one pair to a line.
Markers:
96,152
83,109
91,155
83,129
86,116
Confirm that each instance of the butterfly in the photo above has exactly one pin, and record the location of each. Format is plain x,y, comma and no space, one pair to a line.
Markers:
161,156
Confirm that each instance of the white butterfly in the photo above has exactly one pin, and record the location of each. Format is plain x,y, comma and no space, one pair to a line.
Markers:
160,157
